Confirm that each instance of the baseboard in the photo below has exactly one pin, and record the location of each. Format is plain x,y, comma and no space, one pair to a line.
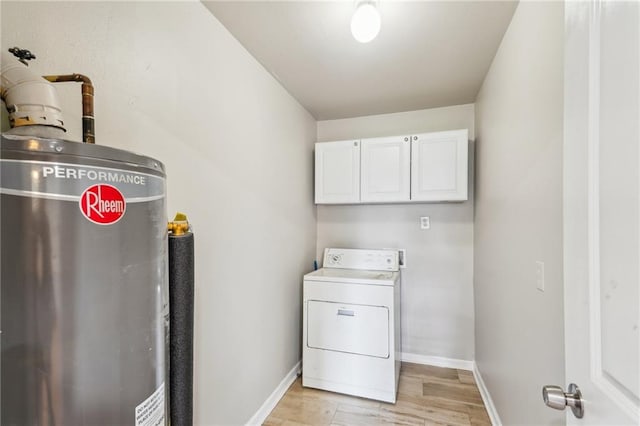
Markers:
263,412
486,397
461,364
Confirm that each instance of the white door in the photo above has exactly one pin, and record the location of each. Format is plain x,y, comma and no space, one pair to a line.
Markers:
337,172
385,164
439,169
601,209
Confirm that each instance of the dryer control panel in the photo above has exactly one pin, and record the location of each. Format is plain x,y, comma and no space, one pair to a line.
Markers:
373,260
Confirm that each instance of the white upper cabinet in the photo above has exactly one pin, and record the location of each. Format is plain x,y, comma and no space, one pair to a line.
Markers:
385,169
439,166
338,172
428,167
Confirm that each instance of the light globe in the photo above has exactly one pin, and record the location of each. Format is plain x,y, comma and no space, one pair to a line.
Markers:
365,23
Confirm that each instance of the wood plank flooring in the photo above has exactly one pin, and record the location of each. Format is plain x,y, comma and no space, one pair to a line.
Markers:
426,396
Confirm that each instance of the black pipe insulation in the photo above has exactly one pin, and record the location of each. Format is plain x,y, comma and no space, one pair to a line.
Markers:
181,300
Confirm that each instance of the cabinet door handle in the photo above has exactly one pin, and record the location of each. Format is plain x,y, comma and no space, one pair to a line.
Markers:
406,139
346,313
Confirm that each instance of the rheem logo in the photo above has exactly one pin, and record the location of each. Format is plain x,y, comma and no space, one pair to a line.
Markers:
103,204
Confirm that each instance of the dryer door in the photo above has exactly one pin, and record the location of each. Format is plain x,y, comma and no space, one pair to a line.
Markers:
356,329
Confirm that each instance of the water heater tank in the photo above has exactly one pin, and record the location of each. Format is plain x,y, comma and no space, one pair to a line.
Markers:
84,298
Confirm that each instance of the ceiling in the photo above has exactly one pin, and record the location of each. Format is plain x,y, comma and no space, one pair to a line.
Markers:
428,53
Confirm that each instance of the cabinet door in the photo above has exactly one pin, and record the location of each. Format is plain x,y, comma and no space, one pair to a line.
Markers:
385,165
439,168
338,172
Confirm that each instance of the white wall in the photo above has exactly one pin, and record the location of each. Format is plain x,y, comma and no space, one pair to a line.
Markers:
518,217
172,83
437,292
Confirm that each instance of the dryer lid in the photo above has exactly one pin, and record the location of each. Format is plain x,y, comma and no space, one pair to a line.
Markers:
354,276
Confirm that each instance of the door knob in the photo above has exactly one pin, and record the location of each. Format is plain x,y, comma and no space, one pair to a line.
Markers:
556,398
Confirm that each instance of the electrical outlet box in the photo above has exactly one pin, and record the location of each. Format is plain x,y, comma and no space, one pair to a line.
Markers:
425,223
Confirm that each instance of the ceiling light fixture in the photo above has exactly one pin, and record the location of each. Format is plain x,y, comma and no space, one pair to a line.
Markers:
365,22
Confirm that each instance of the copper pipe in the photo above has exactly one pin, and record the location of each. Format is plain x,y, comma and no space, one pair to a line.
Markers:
88,122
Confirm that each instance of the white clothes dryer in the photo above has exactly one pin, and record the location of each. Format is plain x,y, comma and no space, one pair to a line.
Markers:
351,324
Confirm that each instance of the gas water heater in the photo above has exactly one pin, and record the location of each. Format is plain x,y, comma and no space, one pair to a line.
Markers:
84,291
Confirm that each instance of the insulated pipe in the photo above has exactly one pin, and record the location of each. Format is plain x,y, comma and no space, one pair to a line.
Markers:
181,311
30,99
88,122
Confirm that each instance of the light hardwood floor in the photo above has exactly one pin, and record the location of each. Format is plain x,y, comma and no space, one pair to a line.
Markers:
426,396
